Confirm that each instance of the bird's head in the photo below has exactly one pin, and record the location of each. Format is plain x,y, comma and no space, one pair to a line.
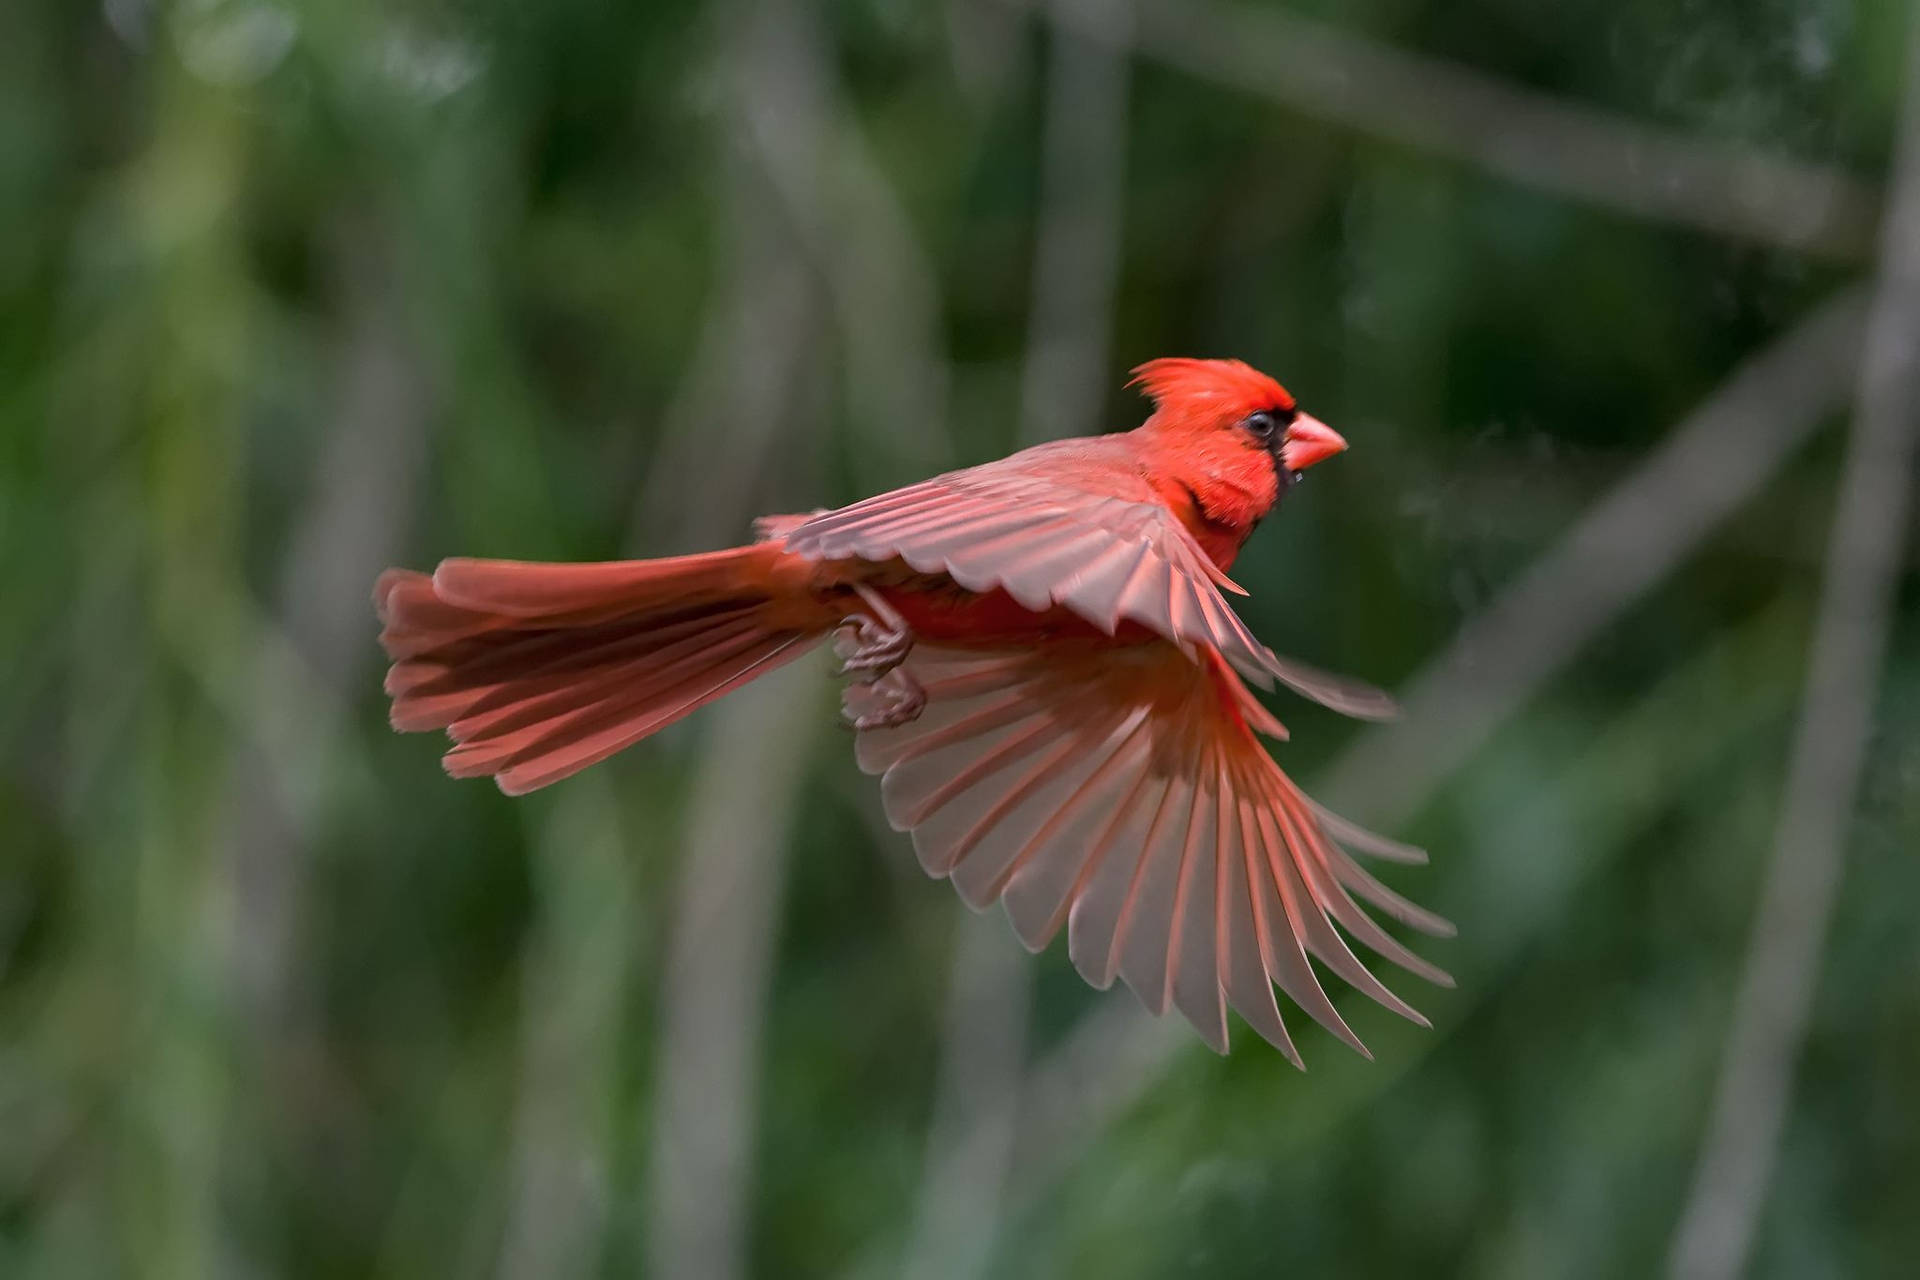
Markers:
1237,432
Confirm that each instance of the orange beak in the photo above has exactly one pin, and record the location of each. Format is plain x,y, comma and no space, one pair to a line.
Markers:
1308,441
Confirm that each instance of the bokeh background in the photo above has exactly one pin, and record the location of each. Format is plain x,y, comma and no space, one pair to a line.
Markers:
1614,298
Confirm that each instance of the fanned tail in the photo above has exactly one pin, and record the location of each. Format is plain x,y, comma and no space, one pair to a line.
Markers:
537,671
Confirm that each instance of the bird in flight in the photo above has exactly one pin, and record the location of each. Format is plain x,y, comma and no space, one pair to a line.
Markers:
1043,671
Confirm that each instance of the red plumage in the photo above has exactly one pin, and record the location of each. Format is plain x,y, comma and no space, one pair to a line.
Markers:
1045,674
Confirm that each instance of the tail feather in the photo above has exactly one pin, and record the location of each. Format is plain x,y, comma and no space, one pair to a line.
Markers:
529,589
415,620
437,695
506,648
538,671
566,749
531,715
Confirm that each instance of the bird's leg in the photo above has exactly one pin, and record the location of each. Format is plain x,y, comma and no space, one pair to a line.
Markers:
871,647
896,698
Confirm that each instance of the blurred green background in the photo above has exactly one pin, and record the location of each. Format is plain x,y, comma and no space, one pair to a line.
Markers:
291,290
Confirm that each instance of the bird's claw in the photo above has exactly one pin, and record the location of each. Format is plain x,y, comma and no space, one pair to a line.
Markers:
887,702
871,646
869,649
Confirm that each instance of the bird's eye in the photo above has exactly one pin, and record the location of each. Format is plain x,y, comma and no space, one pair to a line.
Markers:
1267,425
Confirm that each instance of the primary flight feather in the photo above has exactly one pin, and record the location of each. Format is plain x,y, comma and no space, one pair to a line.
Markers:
1045,675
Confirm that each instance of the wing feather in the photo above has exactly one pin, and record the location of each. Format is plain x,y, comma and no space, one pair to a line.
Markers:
1145,932
1287,924
1193,969
1355,836
1310,927
1035,876
1034,577
919,787
1102,545
986,545
1095,916
1332,899
1057,867
1149,597
1009,810
1245,967
1105,577
1120,791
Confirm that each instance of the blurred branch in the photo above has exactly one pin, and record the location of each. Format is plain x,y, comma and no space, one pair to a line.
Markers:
851,224
854,241
983,1049
985,44
719,962
1715,460
767,305
1522,135
1082,198
725,915
356,514
1864,554
984,1043
573,988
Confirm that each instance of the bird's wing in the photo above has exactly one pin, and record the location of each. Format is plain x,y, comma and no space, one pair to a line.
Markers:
1124,794
1108,551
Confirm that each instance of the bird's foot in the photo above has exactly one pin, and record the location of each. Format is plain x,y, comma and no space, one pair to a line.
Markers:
871,645
894,699
868,650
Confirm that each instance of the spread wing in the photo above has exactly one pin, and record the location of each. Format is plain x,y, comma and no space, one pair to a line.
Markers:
1124,794
1107,556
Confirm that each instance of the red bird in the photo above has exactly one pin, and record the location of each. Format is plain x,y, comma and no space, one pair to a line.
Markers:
1044,673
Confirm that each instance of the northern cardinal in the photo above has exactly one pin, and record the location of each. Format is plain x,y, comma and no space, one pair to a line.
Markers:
1044,673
